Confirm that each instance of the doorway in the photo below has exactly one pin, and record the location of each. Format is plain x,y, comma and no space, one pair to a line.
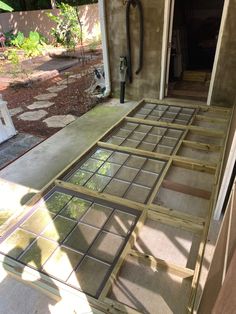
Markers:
193,35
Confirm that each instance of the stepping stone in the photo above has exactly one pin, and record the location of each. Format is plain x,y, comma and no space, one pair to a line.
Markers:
15,111
40,104
45,96
33,115
55,89
59,121
62,82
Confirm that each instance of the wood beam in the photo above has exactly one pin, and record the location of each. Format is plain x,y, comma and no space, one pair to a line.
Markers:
175,221
202,146
157,263
186,189
193,128
177,214
123,255
204,108
102,196
185,162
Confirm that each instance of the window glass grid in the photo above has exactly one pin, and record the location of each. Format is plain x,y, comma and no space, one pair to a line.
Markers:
166,113
108,233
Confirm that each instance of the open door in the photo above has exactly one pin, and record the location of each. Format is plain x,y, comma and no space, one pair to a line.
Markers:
193,30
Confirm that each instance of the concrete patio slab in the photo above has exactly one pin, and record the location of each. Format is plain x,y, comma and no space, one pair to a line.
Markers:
33,115
48,159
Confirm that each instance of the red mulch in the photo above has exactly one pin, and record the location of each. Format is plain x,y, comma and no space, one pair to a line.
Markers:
72,100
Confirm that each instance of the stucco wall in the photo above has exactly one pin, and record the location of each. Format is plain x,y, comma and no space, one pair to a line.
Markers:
224,89
147,83
27,21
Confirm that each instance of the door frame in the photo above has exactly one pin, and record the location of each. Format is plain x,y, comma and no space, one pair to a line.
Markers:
166,46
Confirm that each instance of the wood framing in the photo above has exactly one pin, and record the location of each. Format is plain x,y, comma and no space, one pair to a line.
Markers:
149,210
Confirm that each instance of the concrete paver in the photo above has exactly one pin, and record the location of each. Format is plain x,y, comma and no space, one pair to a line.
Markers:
40,104
55,89
46,96
59,121
33,115
15,111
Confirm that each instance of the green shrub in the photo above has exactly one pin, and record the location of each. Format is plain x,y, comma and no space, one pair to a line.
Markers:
31,45
68,31
18,40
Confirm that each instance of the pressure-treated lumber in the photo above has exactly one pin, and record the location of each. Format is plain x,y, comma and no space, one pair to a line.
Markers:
120,307
202,107
186,189
102,196
159,183
185,162
194,128
210,119
156,263
123,255
202,246
175,221
177,214
202,146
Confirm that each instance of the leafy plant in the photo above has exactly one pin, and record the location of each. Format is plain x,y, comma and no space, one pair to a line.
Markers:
9,37
31,45
68,31
5,7
13,57
18,40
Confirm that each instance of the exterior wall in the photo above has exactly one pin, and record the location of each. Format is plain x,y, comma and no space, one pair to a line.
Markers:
27,21
147,83
224,85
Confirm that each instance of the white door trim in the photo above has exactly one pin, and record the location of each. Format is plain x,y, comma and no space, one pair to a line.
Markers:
226,179
167,29
218,46
165,39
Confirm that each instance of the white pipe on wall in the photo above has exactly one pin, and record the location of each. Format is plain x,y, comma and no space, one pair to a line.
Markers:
102,15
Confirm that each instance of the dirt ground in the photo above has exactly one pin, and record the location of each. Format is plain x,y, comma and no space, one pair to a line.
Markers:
72,100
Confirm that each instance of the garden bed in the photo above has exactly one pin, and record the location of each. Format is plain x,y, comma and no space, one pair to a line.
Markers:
73,100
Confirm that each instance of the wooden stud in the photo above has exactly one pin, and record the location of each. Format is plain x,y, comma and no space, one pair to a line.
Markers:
102,196
177,214
202,146
193,128
120,307
159,183
186,189
131,150
200,257
185,162
123,255
157,263
202,107
210,119
175,222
